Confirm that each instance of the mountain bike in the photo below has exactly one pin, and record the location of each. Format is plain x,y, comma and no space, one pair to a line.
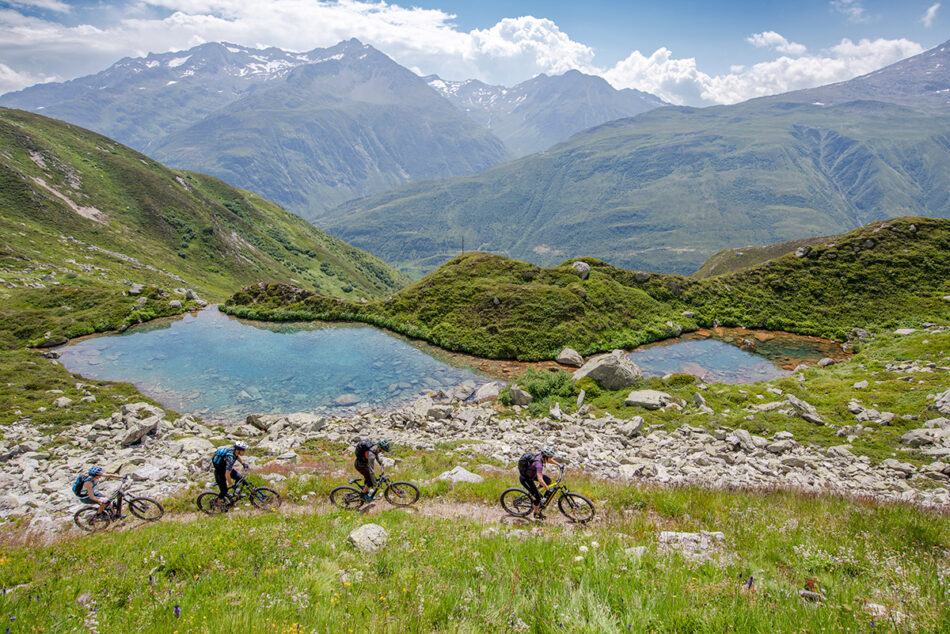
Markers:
574,506
261,497
396,493
90,519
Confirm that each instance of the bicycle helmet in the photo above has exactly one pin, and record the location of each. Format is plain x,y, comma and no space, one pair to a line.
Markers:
384,444
240,445
547,452
95,471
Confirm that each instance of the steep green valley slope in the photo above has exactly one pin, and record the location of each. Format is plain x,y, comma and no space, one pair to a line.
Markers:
667,189
890,272
83,218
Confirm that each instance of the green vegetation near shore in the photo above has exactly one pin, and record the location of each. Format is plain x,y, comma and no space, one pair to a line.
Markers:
461,568
888,273
828,389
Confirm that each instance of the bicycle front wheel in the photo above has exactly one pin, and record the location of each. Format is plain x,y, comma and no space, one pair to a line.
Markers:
89,519
265,499
517,502
210,503
576,507
146,509
402,494
349,498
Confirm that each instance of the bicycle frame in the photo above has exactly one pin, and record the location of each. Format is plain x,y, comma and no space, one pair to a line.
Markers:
556,488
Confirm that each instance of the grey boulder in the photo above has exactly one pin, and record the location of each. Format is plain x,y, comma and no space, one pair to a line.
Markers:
613,371
649,399
520,396
460,474
368,538
582,269
569,356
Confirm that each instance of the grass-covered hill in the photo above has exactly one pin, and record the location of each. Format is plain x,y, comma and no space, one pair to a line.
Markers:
736,259
889,272
82,218
665,190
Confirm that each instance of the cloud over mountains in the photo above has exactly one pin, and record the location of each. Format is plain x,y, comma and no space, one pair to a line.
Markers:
38,43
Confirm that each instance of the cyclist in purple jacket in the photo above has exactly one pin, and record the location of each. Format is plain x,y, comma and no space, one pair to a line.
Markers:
531,472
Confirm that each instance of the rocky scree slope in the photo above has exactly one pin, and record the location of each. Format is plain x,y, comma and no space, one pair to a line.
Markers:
491,306
84,221
666,189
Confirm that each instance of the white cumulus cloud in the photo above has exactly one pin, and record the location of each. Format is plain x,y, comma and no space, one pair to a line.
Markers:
680,81
930,15
771,39
14,80
49,5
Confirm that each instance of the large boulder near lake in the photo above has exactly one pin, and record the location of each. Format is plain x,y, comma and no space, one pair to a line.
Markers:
613,371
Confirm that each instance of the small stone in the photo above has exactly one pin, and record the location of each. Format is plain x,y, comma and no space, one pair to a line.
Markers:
460,474
825,362
905,331
569,356
582,269
62,402
860,385
520,396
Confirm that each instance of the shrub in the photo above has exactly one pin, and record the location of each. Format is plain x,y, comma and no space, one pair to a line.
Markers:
542,384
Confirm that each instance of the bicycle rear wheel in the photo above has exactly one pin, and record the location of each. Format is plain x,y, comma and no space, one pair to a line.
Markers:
576,507
265,499
210,503
349,498
402,493
89,519
516,502
146,509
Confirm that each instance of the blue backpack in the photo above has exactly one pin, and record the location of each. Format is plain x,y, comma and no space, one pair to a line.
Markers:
220,454
79,488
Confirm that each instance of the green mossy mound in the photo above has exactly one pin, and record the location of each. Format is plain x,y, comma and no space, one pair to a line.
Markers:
888,273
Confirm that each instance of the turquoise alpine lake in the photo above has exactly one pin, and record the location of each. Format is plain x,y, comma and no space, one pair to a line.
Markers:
223,368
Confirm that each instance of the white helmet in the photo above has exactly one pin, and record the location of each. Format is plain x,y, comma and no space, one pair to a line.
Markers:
240,444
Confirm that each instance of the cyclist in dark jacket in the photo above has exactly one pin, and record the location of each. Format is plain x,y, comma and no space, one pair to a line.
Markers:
224,473
531,472
367,452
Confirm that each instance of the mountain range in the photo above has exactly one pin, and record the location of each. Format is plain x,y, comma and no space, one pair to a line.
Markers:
535,114
664,190
313,130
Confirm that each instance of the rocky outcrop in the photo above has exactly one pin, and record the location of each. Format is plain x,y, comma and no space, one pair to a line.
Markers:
613,371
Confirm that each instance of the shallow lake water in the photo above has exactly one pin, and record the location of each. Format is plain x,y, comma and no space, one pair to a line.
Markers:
223,368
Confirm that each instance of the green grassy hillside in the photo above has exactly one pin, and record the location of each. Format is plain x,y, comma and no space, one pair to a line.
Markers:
665,190
82,218
455,565
886,273
732,260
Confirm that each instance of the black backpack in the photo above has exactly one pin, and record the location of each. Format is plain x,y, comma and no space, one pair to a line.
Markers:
362,447
525,461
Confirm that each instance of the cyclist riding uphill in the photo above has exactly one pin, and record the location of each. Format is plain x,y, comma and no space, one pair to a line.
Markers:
367,452
531,472
86,487
223,463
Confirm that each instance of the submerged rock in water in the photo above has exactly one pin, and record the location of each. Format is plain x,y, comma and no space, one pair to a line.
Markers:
346,399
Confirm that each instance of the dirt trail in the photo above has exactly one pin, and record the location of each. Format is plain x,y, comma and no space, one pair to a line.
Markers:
439,509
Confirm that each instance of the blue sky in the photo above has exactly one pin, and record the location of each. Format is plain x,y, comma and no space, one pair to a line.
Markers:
686,51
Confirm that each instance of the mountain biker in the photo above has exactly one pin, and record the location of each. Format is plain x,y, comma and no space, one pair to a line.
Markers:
530,471
367,452
87,487
223,461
